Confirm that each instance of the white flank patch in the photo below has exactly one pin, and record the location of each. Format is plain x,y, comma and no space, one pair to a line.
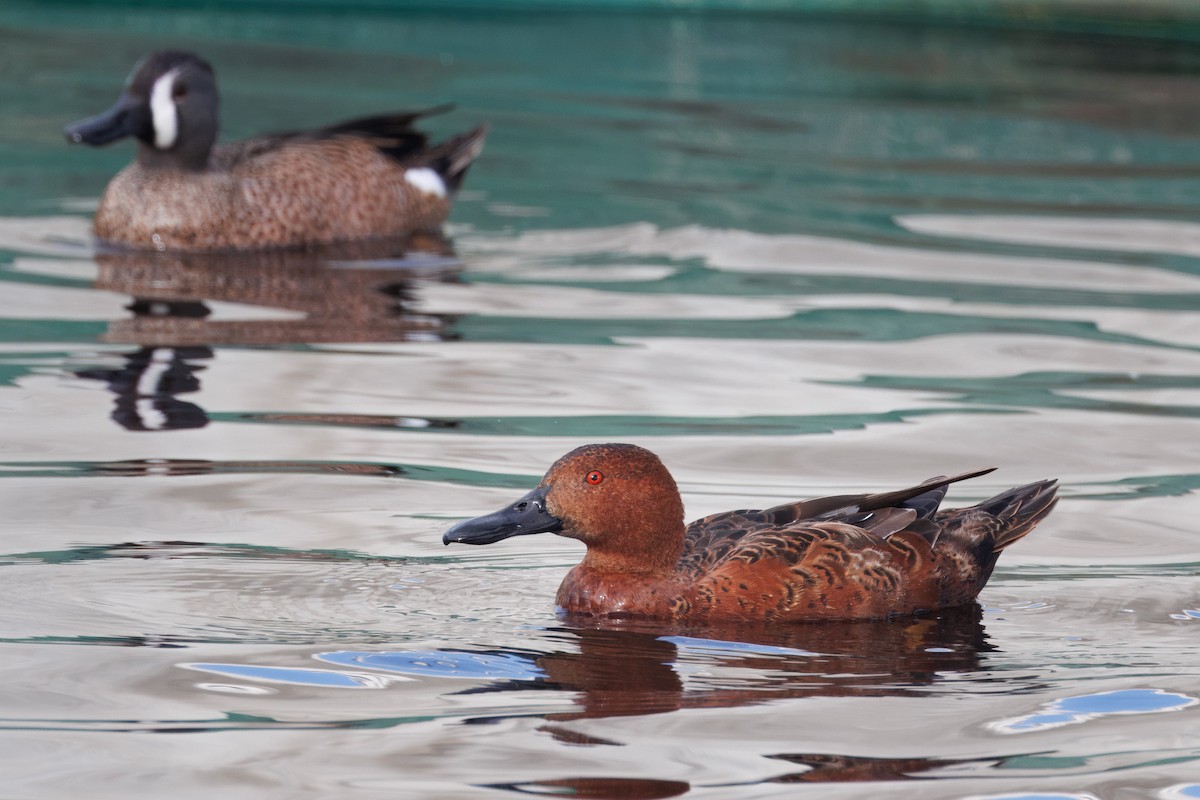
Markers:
426,180
162,111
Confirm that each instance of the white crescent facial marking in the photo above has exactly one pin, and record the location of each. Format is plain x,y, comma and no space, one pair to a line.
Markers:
426,180
162,110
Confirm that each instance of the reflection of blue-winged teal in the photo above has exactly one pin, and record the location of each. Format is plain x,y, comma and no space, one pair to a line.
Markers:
374,176
863,556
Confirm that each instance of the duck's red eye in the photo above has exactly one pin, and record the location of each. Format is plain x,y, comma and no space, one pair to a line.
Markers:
178,91
594,477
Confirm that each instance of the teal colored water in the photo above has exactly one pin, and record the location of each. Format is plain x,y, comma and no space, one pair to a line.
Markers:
795,251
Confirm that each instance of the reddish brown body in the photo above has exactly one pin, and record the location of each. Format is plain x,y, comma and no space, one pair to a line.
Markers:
868,556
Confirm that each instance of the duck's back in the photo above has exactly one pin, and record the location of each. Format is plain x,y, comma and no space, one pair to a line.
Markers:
851,557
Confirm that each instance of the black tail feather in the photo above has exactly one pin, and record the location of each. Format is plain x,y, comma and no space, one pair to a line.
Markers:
822,508
902,496
451,158
1021,509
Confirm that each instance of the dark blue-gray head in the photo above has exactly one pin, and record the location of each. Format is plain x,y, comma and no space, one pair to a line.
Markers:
169,105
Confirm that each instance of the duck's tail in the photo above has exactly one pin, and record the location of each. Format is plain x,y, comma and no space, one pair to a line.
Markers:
451,158
1020,510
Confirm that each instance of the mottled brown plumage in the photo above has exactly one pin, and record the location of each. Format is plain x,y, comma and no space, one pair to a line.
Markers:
368,177
865,556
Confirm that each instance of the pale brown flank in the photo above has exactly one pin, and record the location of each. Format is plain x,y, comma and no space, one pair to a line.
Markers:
305,192
851,557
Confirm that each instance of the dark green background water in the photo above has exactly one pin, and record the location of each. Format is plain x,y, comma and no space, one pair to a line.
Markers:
796,249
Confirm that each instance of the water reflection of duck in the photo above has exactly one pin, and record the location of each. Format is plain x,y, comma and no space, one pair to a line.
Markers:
349,292
147,385
368,177
622,669
866,556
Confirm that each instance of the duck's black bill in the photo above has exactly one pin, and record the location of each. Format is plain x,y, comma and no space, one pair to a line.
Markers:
123,119
527,515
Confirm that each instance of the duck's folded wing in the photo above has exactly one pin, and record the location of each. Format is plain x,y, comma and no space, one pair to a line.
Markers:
708,540
397,123
393,134
752,535
816,570
923,497
711,539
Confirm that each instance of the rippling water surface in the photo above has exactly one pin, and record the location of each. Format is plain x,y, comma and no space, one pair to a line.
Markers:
791,256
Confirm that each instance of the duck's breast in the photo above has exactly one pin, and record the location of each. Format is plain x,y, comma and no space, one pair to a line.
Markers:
596,593
167,209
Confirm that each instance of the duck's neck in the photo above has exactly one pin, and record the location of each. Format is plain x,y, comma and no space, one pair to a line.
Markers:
637,556
180,159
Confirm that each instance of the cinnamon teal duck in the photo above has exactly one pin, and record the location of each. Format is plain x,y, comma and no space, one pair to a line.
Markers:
370,177
859,556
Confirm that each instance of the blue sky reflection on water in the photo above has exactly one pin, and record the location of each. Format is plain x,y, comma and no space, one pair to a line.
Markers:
1074,710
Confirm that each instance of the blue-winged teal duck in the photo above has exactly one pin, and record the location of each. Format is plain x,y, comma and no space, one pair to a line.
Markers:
368,177
862,556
